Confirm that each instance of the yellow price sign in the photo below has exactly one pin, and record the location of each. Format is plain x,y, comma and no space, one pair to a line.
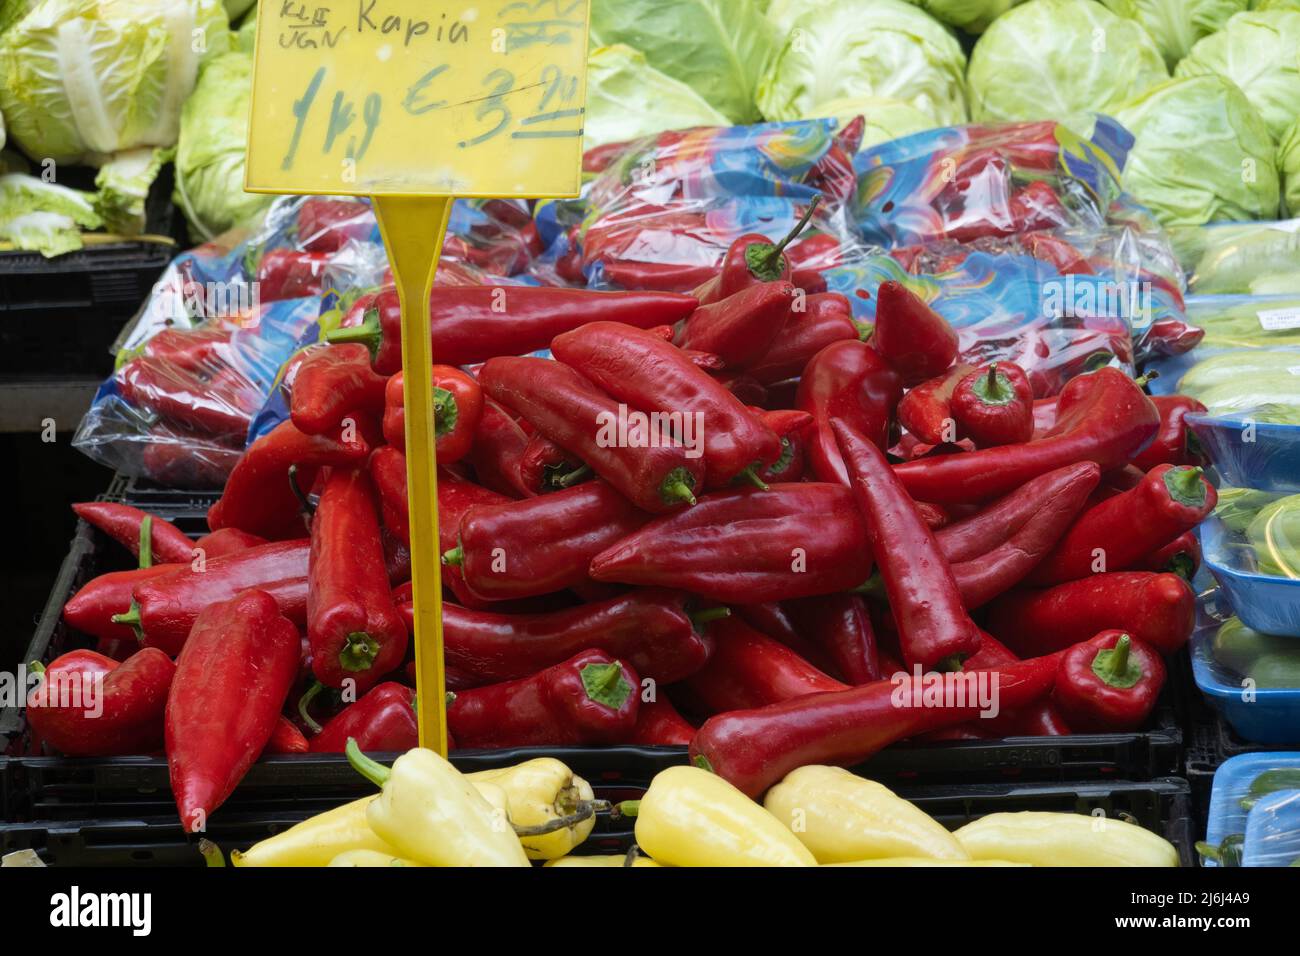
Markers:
413,102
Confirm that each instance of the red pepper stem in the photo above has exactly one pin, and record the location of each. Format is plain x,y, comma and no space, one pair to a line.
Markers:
775,255
131,619
454,556
359,653
369,333
573,477
146,542
675,487
750,475
305,701
1185,486
1115,667
372,770
708,614
212,854
304,502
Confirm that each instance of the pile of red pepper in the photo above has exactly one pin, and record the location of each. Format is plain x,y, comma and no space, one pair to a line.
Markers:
702,506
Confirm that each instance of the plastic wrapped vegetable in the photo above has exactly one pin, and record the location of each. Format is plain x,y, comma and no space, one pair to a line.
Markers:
1288,166
1058,59
1241,258
1267,660
1254,817
882,48
1263,383
1275,536
1201,153
1176,25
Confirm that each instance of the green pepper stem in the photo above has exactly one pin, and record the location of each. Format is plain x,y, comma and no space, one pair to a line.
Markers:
994,388
676,488
131,619
304,503
573,477
445,412
865,330
1115,666
454,556
369,333
873,587
775,255
358,652
146,542
1185,485
751,475
705,615
305,701
626,808
212,854
372,770
36,667
702,762
950,664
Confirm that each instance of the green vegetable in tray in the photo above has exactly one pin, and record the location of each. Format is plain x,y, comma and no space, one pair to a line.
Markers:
1271,662
1275,536
1247,322
1288,166
627,98
1240,259
1061,60
1237,507
1263,383
1260,53
1201,153
1227,853
1268,782
1176,25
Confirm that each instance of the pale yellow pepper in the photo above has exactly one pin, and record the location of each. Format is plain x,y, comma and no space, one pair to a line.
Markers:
603,859
318,840
537,793
1064,839
923,861
690,817
369,858
843,818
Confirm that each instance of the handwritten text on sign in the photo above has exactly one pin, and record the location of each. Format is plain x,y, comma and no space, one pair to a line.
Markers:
402,97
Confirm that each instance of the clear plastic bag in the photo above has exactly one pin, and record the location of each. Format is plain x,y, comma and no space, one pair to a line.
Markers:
1254,817
1241,258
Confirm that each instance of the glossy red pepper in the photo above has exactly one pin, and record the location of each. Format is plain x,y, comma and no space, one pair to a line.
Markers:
841,626
750,669
748,547
742,327
664,277
497,452
1104,417
218,544
926,410
540,545
588,699
791,427
455,498
1174,443
1159,609
848,381
201,351
1182,557
332,383
328,224
475,323
354,628
544,466
387,468
653,472
89,705
658,724
655,377
457,408
178,457
1065,258
286,738
1118,532
1108,684
290,274
775,619
183,397
122,523
825,318
994,406
934,629
916,341
92,609
753,259
753,749
231,680
383,720
258,498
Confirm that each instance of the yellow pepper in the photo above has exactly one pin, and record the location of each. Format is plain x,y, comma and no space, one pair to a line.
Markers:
843,818
369,858
924,861
430,813
318,840
1064,839
603,859
691,817
539,793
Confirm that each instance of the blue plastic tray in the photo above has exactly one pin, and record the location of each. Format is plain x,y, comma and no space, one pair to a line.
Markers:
1233,780
1271,717
1273,830
1266,603
1269,462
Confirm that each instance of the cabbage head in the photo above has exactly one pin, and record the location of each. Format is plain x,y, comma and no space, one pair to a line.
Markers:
1288,166
627,98
1177,24
973,16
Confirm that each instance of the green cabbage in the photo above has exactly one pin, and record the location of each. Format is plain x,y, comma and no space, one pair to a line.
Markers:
717,47
1260,52
246,35
11,11
1176,25
210,152
1288,165
82,79
1238,258
973,16
123,183
1059,59
1201,153
866,48
237,8
49,233
1275,5
627,98
1263,383
886,119
44,217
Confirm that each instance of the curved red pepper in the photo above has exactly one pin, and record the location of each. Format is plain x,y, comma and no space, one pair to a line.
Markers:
589,699
753,259
1182,557
544,466
92,609
388,474
217,544
382,720
826,317
742,327
914,339
457,408
290,274
496,453
665,277
848,381
994,406
89,705
354,629
791,426
841,626
775,619
122,523
286,739
1108,684
183,397
455,499
926,410
332,382
658,724
1174,443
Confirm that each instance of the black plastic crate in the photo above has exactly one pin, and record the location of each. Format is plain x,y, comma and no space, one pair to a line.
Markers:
144,494
1158,805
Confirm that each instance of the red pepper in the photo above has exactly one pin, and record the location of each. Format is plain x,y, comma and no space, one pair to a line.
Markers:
1182,557
1061,255
92,609
457,408
790,426
258,498
826,317
326,225
776,621
748,391
654,377
1036,206
926,410
655,474
231,680
994,406
1173,336
455,498
848,381
1108,684
289,274
1119,531
286,739
178,457
841,626
1159,609
354,629
933,626
218,544
89,705
382,720
200,351
1104,417
475,323
388,474
544,466
1174,443
742,327
914,339
588,699
753,749
750,669
122,523
540,545
753,259
991,655
180,396
663,277
810,257
748,547
331,383
497,452
659,725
